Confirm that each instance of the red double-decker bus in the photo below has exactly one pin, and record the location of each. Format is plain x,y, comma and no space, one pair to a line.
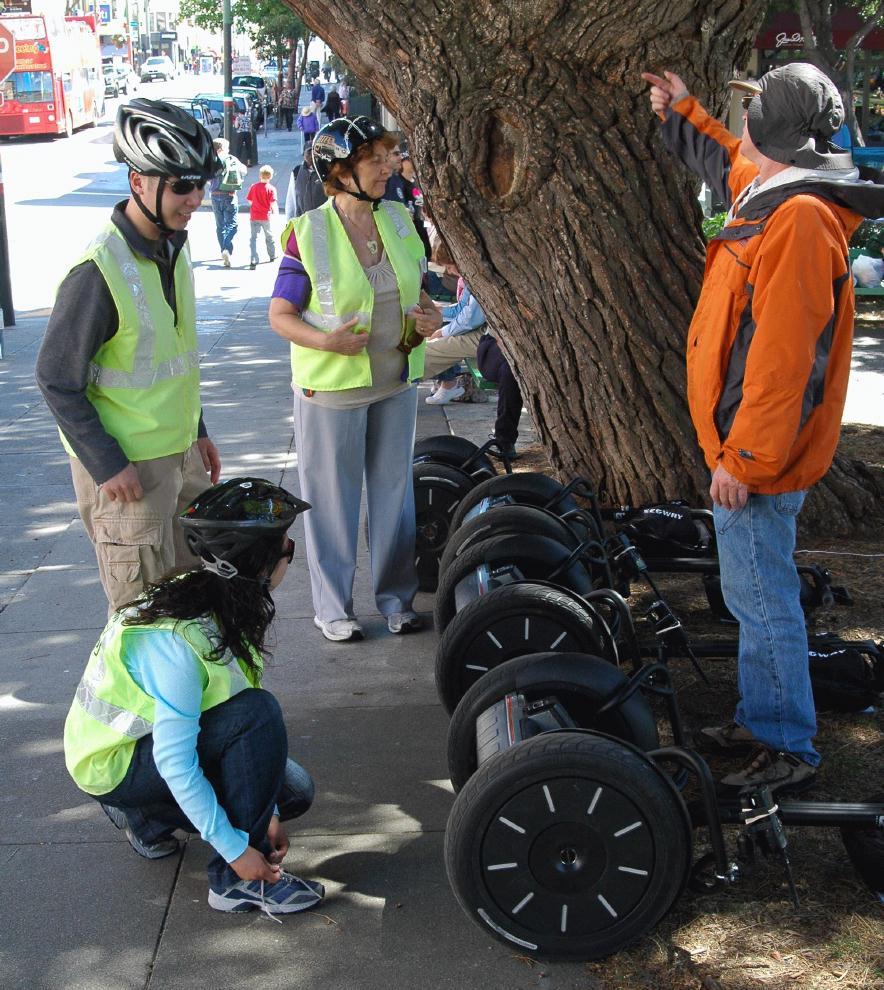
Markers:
57,85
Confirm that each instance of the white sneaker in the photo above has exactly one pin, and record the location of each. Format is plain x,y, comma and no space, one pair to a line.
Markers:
225,257
404,622
444,395
339,630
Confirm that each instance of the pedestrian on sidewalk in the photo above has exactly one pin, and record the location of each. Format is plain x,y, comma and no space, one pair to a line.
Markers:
287,105
332,106
308,125
262,197
344,93
317,95
225,204
119,363
245,137
170,728
356,316
767,372
493,365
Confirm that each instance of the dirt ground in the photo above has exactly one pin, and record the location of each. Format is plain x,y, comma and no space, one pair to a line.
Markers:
750,936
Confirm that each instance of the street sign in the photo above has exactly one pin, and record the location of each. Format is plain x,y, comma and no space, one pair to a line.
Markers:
7,52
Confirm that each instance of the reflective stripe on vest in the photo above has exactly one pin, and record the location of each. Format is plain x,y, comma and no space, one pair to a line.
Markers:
143,373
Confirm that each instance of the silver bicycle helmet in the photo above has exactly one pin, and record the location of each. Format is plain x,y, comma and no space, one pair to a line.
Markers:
156,138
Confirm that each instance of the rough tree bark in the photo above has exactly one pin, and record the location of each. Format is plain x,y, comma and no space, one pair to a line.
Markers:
575,229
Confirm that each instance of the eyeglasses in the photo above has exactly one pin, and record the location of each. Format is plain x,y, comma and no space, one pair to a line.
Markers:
182,187
289,551
746,100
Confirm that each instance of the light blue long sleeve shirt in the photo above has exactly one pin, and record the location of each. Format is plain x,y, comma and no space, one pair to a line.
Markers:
164,666
464,315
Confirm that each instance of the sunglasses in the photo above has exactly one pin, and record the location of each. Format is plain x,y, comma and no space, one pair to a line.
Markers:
289,551
746,100
182,187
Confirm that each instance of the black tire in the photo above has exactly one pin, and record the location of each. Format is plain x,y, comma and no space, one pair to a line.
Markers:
535,556
570,845
865,847
438,488
446,449
582,683
505,520
492,630
526,488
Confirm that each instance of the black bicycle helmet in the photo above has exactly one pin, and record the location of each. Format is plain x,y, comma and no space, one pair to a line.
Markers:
156,138
336,142
228,518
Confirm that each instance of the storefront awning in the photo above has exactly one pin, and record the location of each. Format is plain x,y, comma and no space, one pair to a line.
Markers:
783,31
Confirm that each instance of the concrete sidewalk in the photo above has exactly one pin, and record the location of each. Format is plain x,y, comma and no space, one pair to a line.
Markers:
80,910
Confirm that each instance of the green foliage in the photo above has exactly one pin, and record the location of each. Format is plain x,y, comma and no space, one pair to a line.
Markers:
865,232
712,225
271,25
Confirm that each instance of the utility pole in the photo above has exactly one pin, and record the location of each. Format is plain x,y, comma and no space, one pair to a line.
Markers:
228,72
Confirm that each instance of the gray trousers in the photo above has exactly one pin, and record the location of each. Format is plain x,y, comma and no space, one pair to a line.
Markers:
336,449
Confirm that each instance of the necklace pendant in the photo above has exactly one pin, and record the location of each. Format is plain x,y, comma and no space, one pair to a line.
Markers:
372,246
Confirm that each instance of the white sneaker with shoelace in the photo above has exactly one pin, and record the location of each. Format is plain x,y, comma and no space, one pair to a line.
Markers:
288,895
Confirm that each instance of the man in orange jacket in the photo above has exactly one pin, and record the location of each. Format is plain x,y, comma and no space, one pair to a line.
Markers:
768,363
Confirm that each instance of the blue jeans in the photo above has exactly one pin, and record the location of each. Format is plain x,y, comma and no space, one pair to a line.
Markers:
243,752
224,206
761,588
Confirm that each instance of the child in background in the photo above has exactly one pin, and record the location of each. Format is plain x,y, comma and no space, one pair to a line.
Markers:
262,197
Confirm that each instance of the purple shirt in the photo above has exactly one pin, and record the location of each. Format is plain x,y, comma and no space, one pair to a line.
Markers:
292,281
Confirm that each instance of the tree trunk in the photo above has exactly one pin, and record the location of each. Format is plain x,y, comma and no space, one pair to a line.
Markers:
577,231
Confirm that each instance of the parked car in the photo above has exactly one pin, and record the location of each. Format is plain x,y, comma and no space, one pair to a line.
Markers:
157,67
201,111
111,81
127,80
215,102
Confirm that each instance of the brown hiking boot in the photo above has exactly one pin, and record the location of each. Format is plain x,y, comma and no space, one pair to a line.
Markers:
768,768
731,737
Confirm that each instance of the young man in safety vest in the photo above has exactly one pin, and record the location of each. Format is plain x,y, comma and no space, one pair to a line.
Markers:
119,363
768,363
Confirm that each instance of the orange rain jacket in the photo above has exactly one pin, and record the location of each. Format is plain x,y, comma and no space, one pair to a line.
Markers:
769,345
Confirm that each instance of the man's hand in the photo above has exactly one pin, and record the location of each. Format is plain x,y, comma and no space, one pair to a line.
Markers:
123,486
665,91
726,491
211,458
342,341
279,841
436,335
252,865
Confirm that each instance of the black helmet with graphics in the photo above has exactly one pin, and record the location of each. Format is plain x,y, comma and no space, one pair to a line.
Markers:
337,140
228,519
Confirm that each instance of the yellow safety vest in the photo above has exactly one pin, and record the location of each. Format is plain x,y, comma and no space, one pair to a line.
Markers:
340,291
144,382
110,712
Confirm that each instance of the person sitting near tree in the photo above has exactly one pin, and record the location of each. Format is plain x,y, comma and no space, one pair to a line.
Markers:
170,728
456,340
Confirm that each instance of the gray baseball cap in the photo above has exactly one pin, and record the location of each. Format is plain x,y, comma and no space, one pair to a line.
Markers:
794,116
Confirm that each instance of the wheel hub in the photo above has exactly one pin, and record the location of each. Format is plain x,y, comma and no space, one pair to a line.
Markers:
567,857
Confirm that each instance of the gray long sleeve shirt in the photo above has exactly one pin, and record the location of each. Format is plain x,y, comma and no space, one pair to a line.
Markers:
83,319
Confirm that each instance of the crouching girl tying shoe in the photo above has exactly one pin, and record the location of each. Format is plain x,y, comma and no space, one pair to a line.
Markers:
170,727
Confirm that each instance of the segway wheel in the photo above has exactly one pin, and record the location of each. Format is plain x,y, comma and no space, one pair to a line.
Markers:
454,451
438,488
508,520
865,847
580,683
530,557
525,488
569,845
514,621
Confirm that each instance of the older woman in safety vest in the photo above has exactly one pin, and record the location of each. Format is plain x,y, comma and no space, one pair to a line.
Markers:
349,299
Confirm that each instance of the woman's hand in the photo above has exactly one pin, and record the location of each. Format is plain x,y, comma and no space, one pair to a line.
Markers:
253,865
279,841
344,341
427,319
